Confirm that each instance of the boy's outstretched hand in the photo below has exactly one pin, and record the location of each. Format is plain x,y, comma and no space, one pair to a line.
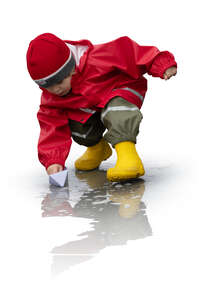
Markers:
170,72
55,168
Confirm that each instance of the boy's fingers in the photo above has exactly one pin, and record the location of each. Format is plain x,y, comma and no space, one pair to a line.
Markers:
170,72
54,169
173,73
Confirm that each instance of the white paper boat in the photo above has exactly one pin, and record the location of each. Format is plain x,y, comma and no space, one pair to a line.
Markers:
59,179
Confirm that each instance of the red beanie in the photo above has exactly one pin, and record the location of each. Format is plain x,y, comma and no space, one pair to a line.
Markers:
49,60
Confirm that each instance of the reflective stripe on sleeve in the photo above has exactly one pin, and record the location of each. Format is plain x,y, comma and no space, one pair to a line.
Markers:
88,110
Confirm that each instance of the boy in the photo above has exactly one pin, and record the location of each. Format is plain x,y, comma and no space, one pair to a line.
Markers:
87,89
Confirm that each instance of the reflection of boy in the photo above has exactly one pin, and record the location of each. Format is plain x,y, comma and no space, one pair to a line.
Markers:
87,89
56,203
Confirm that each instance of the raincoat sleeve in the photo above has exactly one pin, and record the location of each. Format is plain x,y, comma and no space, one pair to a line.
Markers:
55,138
132,58
163,61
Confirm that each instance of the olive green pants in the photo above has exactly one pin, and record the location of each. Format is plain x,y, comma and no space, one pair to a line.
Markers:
121,119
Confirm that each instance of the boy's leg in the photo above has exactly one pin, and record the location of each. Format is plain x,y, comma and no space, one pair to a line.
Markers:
90,134
122,119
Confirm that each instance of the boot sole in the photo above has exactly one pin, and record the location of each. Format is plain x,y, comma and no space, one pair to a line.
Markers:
125,176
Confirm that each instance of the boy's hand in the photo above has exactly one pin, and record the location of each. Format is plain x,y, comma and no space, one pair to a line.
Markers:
170,72
55,168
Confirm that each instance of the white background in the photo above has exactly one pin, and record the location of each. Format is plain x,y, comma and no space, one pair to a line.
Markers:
173,262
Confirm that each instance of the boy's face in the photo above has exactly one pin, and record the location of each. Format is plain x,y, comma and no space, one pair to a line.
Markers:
61,88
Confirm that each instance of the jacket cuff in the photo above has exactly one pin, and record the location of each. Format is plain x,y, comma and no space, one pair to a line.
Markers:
163,61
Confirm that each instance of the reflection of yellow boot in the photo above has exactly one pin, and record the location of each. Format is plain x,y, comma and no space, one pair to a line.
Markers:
128,164
93,156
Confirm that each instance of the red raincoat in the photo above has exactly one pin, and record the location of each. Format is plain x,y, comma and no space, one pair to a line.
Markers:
106,70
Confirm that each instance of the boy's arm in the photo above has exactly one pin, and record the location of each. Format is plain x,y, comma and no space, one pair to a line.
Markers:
149,59
130,57
55,138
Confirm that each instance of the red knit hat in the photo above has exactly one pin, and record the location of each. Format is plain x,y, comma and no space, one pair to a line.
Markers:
49,60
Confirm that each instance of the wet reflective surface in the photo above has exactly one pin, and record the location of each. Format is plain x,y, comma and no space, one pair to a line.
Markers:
93,237
116,211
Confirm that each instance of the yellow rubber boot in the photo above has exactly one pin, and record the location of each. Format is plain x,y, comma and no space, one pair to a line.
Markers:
93,156
128,165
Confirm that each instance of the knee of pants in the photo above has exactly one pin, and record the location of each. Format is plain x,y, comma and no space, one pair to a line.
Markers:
89,133
122,119
122,108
